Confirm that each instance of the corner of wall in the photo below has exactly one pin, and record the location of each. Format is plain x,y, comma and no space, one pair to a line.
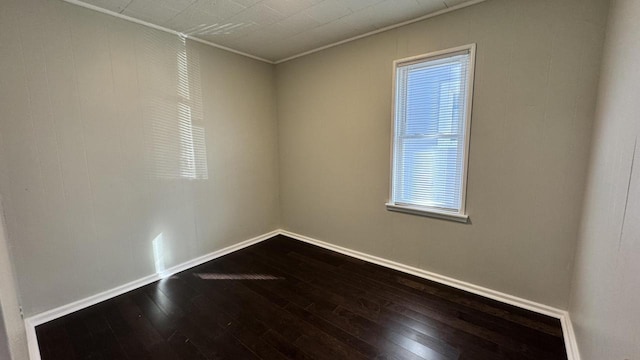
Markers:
9,298
276,96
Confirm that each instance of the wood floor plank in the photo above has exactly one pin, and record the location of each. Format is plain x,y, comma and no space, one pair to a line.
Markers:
363,305
222,345
324,305
284,299
54,341
397,300
263,288
182,336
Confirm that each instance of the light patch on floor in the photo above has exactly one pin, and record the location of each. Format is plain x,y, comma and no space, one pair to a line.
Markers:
214,276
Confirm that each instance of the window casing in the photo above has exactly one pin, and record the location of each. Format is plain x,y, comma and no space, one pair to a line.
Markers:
430,139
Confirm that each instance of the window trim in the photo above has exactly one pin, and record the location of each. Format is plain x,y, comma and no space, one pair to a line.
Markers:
391,205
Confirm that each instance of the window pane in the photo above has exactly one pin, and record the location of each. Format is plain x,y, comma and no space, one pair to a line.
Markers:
430,132
433,96
430,173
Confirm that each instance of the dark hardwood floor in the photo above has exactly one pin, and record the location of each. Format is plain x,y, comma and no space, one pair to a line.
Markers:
299,302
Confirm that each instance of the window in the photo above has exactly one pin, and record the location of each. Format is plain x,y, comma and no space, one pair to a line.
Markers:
432,118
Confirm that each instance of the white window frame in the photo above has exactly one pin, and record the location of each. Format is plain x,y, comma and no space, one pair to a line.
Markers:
460,216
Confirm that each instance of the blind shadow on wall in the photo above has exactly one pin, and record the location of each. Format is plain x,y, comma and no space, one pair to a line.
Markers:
172,110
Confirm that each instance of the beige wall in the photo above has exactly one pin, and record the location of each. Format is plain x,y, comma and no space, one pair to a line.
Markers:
606,286
536,78
104,151
97,162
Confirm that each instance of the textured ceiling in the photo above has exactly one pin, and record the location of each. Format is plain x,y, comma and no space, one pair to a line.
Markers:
274,29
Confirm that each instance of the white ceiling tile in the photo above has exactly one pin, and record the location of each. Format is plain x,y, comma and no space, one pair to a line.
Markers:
327,11
298,23
158,16
391,12
451,3
357,5
279,32
247,3
433,5
113,5
274,29
259,13
221,9
192,19
174,4
289,7
359,21
330,33
225,29
150,11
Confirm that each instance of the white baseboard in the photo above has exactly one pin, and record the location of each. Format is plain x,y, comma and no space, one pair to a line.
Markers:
565,320
570,341
562,315
33,321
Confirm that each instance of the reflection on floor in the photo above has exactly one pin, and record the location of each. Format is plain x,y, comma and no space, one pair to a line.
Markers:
284,299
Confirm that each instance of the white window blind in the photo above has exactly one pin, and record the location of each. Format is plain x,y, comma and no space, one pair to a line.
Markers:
431,131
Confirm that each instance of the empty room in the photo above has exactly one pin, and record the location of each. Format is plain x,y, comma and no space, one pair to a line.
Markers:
319,179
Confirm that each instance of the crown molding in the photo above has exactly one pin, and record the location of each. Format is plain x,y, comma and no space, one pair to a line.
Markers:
164,29
305,53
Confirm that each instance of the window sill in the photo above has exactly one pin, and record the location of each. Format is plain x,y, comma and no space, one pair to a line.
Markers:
415,210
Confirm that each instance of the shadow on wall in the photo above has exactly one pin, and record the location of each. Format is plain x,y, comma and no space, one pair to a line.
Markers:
172,110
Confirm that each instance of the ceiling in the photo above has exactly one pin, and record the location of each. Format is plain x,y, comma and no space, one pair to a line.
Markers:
274,29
